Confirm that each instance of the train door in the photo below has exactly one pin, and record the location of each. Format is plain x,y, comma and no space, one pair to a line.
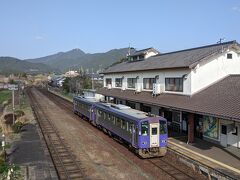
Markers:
93,114
154,135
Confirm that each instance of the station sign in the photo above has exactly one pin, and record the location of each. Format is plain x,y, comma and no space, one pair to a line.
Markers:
13,87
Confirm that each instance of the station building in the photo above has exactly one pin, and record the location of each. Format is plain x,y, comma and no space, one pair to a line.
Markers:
197,90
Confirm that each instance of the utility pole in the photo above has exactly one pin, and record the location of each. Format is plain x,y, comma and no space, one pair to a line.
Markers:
13,106
92,80
220,40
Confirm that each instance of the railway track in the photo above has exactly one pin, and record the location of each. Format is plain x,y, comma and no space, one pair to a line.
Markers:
163,164
171,170
65,163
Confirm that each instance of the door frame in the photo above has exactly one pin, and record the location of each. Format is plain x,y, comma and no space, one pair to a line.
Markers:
154,125
223,137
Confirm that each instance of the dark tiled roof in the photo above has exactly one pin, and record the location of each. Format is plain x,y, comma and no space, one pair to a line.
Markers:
178,59
222,99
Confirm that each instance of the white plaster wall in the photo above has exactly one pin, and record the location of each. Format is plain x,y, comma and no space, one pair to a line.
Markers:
151,74
149,54
214,69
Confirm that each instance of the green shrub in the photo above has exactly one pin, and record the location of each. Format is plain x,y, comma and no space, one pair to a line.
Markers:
17,127
19,113
3,167
5,95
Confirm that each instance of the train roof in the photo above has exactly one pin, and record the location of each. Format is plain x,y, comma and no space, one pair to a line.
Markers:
129,111
119,109
88,100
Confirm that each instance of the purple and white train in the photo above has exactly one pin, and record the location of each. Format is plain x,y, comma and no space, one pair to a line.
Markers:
146,134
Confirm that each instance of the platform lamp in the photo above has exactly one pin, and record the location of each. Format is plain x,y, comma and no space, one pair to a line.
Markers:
3,146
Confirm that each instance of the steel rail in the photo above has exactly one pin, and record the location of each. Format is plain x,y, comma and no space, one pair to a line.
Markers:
56,145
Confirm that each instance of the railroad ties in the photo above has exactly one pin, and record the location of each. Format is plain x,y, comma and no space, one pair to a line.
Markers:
173,171
65,163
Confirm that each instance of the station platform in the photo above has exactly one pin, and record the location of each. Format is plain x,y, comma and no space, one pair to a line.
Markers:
216,160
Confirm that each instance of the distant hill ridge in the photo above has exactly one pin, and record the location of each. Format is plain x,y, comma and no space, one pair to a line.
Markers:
77,58
63,61
10,65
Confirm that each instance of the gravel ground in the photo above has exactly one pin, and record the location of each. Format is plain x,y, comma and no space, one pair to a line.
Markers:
101,156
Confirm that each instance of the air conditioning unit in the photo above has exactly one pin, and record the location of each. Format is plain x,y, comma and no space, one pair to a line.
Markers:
157,89
109,86
138,89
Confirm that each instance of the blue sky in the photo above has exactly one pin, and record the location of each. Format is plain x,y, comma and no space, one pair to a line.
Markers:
35,28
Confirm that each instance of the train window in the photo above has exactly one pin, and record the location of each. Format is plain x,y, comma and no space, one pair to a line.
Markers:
154,130
127,128
118,122
109,117
100,114
163,127
130,127
123,124
144,128
113,119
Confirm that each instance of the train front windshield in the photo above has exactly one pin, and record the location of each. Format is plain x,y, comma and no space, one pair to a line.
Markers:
163,127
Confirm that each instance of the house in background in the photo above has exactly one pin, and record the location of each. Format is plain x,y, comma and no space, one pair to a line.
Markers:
142,54
196,90
71,74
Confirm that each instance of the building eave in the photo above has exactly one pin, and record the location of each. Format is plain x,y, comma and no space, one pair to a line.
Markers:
155,69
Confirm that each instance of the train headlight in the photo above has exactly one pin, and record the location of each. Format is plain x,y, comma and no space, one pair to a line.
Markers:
145,142
164,141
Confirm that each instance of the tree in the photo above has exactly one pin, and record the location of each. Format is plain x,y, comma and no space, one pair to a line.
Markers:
66,85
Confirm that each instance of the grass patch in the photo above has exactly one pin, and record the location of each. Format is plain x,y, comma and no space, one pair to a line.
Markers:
67,95
5,95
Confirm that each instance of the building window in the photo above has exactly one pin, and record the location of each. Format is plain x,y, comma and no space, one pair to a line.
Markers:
176,116
141,57
118,82
235,131
131,104
145,108
229,55
174,84
224,129
131,82
148,83
108,81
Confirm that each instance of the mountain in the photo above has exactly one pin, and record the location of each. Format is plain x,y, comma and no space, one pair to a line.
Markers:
73,54
76,58
13,65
